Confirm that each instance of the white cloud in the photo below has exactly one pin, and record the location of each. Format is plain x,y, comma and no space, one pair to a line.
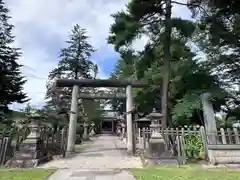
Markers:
42,26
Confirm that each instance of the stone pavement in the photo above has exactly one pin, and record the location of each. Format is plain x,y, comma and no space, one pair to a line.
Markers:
104,159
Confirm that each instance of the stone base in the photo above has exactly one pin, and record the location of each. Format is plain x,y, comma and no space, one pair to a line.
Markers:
166,158
27,163
229,166
92,133
29,154
158,154
157,147
166,161
85,137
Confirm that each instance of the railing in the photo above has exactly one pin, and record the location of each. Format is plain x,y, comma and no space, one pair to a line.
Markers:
224,146
184,143
10,141
194,143
225,136
55,141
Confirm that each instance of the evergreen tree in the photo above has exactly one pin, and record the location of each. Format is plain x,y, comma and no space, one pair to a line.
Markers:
11,79
166,63
74,63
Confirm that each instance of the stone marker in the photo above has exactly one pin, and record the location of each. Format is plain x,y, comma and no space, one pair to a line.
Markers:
209,119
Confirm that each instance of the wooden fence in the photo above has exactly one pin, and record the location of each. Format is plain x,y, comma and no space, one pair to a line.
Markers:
10,140
190,142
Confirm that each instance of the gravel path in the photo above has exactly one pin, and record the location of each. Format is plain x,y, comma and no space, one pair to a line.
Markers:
103,159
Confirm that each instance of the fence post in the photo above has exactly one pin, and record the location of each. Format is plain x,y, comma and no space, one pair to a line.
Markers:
144,138
182,148
236,135
139,136
63,141
229,133
223,136
179,150
18,140
5,143
204,140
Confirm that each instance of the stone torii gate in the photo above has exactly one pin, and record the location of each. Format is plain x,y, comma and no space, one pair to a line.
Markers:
99,83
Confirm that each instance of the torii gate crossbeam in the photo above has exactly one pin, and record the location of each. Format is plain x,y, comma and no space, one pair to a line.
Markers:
99,83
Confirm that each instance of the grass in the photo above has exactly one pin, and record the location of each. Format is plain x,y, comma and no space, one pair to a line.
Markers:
25,174
183,173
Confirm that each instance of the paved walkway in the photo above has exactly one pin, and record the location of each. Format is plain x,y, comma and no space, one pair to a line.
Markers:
104,159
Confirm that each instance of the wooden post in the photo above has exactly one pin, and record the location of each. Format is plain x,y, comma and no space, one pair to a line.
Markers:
236,135
204,140
223,136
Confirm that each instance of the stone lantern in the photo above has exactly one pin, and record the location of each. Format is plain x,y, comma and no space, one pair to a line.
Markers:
32,150
157,144
92,133
155,126
146,135
118,131
123,126
85,127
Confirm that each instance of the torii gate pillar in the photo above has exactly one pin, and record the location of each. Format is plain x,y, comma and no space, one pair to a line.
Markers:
73,120
129,106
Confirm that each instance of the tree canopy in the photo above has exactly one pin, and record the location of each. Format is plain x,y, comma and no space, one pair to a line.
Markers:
11,78
182,58
74,63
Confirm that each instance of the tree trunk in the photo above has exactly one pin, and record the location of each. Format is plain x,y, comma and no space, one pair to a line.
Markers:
167,62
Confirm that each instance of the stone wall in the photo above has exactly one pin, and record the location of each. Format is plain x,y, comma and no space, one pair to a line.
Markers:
224,154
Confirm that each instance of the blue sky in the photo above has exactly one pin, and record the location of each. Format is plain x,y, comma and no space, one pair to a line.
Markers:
42,27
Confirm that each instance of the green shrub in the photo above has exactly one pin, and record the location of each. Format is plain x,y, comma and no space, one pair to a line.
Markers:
194,146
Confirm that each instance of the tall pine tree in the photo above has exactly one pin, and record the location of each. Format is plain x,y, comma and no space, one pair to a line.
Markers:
74,63
11,79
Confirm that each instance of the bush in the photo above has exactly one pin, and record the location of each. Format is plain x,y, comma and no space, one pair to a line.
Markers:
194,146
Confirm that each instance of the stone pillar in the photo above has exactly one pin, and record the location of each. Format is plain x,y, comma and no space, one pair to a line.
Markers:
73,121
209,119
129,106
85,133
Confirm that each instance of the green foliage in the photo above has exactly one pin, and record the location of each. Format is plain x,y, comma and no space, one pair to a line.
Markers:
11,79
125,28
193,145
23,174
184,172
190,74
74,63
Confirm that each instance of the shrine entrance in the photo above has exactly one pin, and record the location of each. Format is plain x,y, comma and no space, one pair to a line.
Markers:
107,126
99,83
